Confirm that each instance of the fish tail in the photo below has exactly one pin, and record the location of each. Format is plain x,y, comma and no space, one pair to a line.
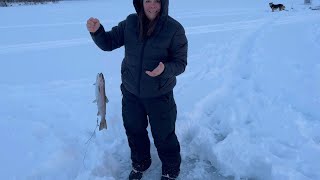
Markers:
103,124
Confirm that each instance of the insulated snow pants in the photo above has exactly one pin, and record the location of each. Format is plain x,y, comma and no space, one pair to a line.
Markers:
161,113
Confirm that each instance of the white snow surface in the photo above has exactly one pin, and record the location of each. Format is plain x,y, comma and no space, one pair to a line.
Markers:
248,102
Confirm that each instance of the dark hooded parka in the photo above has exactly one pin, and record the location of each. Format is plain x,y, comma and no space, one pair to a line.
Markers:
167,44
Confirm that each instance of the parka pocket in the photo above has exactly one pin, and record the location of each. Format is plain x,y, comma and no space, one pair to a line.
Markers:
127,74
153,83
163,82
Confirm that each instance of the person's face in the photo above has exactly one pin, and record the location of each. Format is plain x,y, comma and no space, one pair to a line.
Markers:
151,8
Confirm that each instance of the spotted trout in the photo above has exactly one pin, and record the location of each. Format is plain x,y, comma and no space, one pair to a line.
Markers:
101,100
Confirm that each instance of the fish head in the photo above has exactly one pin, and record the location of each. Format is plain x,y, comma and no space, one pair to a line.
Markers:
100,78
99,75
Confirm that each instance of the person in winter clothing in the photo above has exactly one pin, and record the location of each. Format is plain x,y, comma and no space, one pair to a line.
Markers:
155,53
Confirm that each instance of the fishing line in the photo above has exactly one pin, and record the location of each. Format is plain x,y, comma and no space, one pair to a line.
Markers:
87,143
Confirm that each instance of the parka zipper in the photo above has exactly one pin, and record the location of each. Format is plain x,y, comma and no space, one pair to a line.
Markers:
141,64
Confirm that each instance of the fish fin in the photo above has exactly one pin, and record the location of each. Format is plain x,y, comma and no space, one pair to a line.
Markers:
103,124
98,113
95,101
107,100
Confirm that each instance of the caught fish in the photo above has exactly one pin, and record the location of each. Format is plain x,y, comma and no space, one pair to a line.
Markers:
101,100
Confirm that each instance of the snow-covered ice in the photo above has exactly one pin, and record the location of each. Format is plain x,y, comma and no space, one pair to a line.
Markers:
248,103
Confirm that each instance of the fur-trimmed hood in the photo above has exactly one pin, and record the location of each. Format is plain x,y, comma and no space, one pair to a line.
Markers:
138,5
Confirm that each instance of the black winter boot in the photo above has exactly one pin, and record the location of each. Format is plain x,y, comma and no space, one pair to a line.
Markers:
135,175
170,173
138,169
